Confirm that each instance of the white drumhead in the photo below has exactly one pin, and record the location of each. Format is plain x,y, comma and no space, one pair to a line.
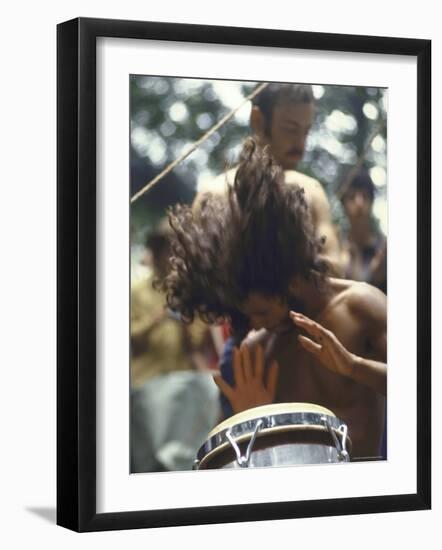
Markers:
269,410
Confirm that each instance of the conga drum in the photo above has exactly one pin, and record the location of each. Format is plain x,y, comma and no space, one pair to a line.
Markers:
281,434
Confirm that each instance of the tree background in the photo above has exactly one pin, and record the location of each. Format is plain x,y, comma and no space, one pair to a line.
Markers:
169,114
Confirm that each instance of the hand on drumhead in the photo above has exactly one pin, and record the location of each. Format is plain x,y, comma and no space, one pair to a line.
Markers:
250,389
324,345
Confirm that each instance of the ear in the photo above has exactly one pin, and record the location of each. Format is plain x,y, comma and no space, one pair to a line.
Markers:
257,122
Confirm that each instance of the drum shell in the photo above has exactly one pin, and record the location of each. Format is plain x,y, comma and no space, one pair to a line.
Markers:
285,439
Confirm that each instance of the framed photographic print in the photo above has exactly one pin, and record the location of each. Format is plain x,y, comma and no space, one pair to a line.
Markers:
232,342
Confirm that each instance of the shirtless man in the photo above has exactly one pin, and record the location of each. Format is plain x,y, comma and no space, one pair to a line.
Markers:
252,257
281,117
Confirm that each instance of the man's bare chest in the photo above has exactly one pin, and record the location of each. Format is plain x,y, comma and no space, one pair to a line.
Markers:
303,378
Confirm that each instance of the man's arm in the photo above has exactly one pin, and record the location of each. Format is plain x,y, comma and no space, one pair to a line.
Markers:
368,305
370,373
369,308
322,219
331,250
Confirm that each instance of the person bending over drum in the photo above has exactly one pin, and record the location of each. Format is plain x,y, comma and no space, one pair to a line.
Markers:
252,257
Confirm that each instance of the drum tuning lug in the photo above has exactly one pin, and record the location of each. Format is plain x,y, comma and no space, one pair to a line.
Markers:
341,446
243,461
342,430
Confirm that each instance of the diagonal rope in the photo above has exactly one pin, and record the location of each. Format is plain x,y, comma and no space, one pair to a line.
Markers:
197,143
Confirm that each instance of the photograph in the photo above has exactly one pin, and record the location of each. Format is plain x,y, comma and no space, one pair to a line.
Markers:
231,205
231,225
258,273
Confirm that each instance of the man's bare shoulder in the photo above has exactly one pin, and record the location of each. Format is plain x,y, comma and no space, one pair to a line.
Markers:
366,301
293,177
357,297
359,291
217,184
314,192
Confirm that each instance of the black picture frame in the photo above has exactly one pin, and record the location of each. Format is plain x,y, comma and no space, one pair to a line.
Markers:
76,273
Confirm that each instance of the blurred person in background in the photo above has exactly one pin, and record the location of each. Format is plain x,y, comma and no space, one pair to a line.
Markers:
364,246
173,400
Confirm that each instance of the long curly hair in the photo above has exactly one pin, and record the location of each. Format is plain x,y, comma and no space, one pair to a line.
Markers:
255,238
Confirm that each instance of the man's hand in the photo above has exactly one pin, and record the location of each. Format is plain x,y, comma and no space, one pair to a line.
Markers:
325,346
249,388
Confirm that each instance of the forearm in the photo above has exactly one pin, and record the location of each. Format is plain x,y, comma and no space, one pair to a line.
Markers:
369,373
